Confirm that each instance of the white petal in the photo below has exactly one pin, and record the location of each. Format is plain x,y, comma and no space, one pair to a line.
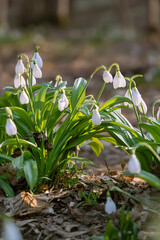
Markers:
24,98
11,232
11,128
136,96
119,80
127,94
33,81
110,206
19,67
38,60
37,73
134,165
107,77
63,102
142,107
115,81
96,117
17,81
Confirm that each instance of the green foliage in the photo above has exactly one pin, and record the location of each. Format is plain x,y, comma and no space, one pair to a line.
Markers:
48,138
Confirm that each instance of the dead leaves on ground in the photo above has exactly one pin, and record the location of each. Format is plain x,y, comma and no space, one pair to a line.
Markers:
56,214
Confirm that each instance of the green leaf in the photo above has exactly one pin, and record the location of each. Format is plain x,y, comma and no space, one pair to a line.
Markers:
96,145
31,172
83,160
111,232
38,105
78,93
7,189
114,101
150,178
154,130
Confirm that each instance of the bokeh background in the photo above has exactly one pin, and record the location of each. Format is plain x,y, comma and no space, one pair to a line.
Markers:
76,36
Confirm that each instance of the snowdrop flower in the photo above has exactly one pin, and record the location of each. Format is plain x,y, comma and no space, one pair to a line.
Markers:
134,165
107,77
62,102
127,94
24,98
142,106
19,81
38,60
119,81
33,81
37,71
158,114
136,96
110,206
11,128
10,231
96,117
19,67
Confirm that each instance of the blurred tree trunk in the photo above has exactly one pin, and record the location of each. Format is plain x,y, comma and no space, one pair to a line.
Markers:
4,14
63,11
154,8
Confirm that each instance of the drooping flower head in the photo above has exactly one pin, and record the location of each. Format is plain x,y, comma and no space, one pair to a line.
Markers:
37,73
142,106
107,77
24,98
119,80
127,94
19,81
96,117
136,96
19,66
134,165
110,206
11,128
38,60
63,102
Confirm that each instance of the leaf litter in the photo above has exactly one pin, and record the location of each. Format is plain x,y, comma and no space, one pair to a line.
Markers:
64,214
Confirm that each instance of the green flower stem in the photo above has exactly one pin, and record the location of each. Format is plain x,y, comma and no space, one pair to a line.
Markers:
18,143
101,91
157,101
112,65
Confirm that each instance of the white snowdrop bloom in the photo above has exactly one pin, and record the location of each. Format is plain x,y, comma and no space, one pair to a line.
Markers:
33,81
24,98
142,106
136,96
11,128
38,60
19,67
119,81
158,114
37,73
11,231
127,94
134,165
19,81
107,77
96,117
63,102
110,206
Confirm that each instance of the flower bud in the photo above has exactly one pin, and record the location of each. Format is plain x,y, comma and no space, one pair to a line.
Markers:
37,73
136,96
24,98
33,81
62,102
119,80
107,77
38,60
142,107
11,128
19,67
96,117
19,81
134,165
110,206
8,112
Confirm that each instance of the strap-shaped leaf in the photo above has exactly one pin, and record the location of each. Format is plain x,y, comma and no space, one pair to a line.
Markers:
31,172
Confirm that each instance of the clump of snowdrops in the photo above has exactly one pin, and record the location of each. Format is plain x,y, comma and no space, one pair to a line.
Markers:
44,126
